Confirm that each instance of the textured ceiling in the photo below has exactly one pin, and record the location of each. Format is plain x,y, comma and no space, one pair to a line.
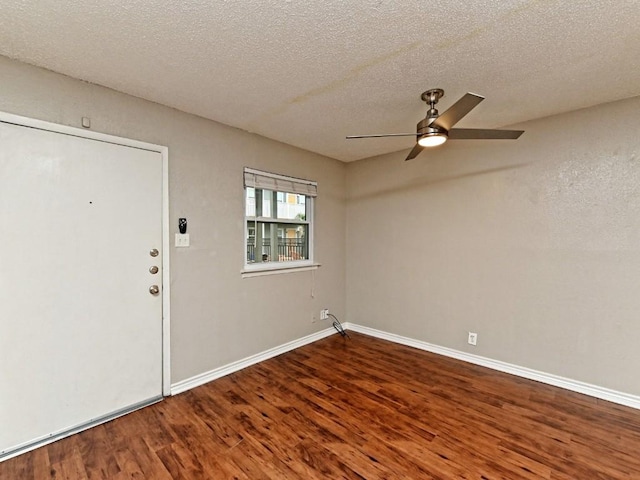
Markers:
309,73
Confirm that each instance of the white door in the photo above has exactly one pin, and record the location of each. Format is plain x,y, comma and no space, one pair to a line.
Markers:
80,332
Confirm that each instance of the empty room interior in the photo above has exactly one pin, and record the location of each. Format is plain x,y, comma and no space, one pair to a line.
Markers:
201,276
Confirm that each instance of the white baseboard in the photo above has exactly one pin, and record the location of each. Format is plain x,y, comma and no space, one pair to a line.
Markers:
614,396
595,391
219,372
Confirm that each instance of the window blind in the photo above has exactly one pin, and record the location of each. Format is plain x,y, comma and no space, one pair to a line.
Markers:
280,183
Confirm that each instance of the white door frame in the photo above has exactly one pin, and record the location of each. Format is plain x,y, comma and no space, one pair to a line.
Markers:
164,152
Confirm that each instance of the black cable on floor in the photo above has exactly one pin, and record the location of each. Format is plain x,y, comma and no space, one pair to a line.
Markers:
338,326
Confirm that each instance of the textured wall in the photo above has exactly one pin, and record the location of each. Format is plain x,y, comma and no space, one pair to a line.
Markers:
216,316
533,244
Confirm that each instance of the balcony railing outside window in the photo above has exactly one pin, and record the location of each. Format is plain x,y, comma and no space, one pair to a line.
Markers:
288,249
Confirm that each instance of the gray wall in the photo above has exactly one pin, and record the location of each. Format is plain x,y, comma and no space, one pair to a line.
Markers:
533,244
217,317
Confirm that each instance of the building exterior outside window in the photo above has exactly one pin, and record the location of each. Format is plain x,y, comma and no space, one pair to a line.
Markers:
278,218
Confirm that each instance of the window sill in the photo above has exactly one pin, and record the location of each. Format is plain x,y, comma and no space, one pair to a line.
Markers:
277,270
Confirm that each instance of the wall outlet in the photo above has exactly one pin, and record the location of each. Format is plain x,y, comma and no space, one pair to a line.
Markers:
473,338
324,314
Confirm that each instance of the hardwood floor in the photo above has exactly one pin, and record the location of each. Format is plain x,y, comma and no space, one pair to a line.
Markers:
358,408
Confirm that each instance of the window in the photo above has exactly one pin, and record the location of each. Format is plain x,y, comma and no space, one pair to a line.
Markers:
279,221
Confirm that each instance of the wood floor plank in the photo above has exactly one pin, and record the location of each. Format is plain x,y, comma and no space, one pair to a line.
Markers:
351,409
96,451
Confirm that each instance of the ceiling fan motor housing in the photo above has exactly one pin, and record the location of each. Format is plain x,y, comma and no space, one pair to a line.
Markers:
424,128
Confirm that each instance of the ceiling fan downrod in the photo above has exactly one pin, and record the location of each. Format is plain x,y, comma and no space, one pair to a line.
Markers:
431,97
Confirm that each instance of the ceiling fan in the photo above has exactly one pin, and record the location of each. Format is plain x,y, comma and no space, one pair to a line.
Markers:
435,129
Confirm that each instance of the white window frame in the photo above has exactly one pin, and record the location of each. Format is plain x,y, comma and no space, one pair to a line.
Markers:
274,182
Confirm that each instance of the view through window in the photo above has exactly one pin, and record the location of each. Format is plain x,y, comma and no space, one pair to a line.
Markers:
278,215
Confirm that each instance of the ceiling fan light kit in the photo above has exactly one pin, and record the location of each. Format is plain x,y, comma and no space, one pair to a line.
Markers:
436,129
432,139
